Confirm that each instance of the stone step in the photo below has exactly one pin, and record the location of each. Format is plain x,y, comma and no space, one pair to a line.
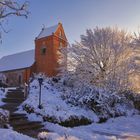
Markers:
28,127
24,122
17,118
13,100
20,122
11,104
12,95
15,90
31,133
10,109
17,114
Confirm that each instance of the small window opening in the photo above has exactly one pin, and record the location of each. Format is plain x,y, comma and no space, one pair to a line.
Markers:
19,79
60,34
7,80
43,50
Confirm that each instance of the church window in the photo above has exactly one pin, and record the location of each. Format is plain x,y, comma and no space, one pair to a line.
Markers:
60,34
19,79
43,50
7,80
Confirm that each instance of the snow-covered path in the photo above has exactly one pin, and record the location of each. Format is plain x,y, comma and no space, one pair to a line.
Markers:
117,136
122,128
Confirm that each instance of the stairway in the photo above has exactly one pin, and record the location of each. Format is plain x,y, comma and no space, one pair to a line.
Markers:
20,122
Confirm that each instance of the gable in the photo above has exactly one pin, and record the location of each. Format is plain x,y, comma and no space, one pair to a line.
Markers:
17,61
60,32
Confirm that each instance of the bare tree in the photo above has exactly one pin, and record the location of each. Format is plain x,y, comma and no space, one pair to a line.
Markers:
11,8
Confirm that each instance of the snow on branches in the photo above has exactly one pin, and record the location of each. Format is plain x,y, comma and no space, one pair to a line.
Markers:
11,8
103,58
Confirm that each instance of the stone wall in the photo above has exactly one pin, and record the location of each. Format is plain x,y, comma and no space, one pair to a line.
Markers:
14,78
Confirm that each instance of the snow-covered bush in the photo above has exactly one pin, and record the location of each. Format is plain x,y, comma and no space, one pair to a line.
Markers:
4,118
55,108
134,97
103,102
4,114
76,103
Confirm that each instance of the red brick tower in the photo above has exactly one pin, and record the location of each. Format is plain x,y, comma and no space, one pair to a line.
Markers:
46,47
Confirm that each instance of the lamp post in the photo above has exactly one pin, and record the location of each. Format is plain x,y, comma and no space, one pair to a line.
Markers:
40,80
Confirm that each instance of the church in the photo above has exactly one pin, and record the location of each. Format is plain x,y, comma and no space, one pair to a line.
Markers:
16,69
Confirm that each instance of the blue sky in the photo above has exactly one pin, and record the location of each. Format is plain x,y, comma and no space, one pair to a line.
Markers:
75,15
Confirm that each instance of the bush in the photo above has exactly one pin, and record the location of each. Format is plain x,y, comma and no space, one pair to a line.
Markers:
75,121
28,108
4,118
134,97
104,103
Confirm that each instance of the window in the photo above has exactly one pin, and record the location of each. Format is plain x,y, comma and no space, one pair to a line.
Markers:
19,79
60,34
43,50
7,80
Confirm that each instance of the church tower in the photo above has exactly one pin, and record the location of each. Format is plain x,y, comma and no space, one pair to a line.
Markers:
47,45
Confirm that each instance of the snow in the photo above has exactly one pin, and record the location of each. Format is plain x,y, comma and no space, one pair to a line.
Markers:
54,106
4,116
8,134
117,128
2,95
3,92
47,31
57,108
17,61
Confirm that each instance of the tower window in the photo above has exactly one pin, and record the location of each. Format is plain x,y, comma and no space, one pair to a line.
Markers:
60,34
43,50
19,79
7,80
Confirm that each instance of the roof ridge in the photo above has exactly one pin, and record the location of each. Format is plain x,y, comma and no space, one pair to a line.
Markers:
51,26
16,61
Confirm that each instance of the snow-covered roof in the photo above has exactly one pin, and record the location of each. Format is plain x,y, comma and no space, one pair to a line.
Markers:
17,61
47,31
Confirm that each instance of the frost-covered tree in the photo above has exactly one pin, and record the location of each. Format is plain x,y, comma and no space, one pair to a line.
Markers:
11,8
103,58
136,61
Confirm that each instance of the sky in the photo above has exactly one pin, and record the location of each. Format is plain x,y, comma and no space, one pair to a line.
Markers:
75,15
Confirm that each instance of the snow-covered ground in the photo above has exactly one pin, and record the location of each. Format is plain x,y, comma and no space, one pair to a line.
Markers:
8,134
125,127
60,109
54,106
122,128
